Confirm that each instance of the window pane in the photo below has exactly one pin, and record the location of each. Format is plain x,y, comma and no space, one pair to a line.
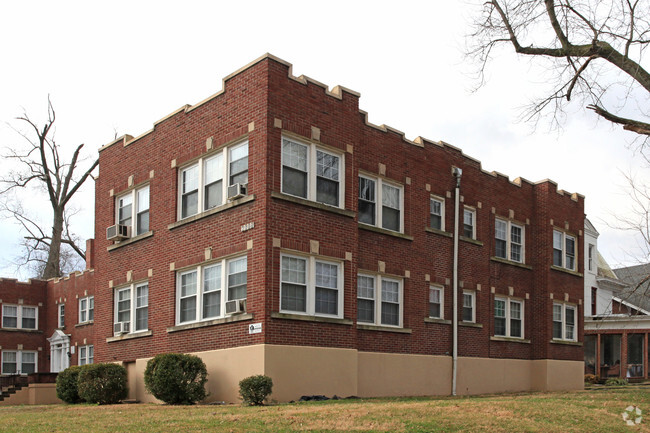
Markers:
239,164
327,191
213,169
435,209
327,165
366,201
143,199
294,155
237,279
188,309
211,305
390,196
190,179
366,310
500,248
188,284
366,212
294,270
326,275
141,318
389,314
366,299
143,222
125,205
294,297
294,182
29,318
213,195
390,219
212,278
9,362
468,307
189,204
326,301
142,296
389,291
9,316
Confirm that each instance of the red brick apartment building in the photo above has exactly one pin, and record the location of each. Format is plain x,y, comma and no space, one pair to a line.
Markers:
271,229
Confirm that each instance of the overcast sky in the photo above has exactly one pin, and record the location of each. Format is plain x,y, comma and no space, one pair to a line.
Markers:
117,67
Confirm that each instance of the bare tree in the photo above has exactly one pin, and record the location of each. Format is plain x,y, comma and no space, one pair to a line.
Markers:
593,51
40,164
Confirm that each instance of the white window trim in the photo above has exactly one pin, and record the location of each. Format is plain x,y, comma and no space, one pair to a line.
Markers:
473,212
60,315
19,316
564,251
442,211
378,278
442,301
200,289
134,208
565,306
200,163
379,181
87,310
310,301
312,171
508,316
86,358
132,309
473,295
19,360
509,225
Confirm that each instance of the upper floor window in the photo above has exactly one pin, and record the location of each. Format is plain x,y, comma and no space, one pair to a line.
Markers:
131,309
469,223
508,317
594,301
61,315
380,203
312,173
437,213
381,306
19,317
436,296
469,306
86,354
590,253
201,292
564,250
564,321
311,285
132,210
509,240
19,362
201,184
87,309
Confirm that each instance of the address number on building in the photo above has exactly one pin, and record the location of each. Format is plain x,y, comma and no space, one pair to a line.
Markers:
247,227
255,328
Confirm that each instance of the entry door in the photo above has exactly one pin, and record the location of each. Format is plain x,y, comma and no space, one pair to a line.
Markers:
59,360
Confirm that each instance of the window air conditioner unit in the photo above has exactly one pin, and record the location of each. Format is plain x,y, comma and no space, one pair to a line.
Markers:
237,190
237,306
118,232
121,328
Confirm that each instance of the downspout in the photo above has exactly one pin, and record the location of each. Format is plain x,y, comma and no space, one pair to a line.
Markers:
457,172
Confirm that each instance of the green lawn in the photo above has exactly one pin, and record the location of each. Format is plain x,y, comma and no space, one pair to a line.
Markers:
585,411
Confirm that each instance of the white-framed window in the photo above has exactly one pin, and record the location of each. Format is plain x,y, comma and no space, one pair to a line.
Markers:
132,210
437,213
469,223
436,302
564,250
19,317
312,173
132,307
202,292
379,300
590,253
19,362
201,185
508,317
564,321
469,306
61,315
311,285
86,354
86,309
509,240
381,203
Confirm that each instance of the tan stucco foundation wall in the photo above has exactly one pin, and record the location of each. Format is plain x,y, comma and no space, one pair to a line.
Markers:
390,374
35,393
556,375
490,375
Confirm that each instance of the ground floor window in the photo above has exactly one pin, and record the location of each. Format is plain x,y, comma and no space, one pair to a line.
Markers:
610,355
86,354
18,362
635,343
379,300
589,345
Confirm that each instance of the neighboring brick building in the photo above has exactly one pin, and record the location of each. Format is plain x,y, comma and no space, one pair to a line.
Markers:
336,259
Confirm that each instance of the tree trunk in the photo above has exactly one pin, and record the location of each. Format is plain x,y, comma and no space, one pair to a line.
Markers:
53,265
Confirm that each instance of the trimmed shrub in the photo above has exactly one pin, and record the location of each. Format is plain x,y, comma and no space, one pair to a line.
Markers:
255,389
102,383
176,378
66,384
615,381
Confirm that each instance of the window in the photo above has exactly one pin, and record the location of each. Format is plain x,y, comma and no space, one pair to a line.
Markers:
309,285
374,191
385,310
86,355
509,240
469,223
564,321
87,309
201,184
469,307
590,262
61,315
18,362
200,291
564,247
133,210
311,173
594,301
131,307
508,317
437,213
19,317
436,296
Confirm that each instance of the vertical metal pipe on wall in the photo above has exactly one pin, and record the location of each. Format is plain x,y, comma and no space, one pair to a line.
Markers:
457,172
